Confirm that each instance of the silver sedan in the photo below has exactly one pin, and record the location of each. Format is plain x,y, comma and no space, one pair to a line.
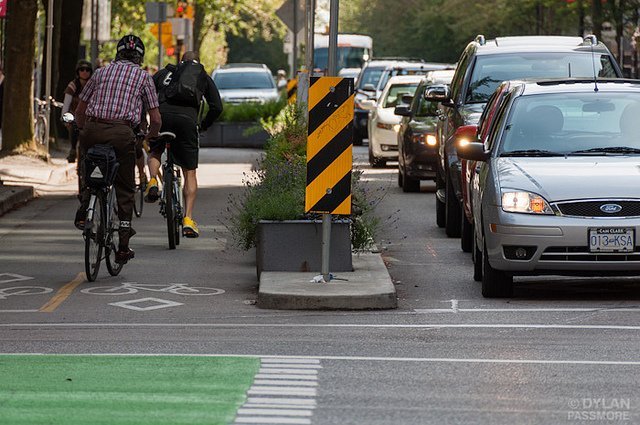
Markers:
558,191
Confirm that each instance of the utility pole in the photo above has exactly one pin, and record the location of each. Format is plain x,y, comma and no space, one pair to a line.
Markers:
47,84
294,65
310,29
95,22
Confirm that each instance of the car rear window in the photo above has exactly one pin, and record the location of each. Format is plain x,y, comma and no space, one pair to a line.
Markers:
490,70
370,75
243,80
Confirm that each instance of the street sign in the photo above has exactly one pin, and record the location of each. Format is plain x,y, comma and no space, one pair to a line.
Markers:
285,13
102,16
329,145
167,33
156,12
292,89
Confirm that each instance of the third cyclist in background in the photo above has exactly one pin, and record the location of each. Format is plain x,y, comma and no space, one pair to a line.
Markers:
181,90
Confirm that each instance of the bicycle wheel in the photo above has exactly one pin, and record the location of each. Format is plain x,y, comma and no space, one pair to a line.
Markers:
170,208
178,202
113,236
138,197
39,130
94,237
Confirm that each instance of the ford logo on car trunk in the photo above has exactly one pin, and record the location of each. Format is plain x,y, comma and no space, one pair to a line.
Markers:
610,208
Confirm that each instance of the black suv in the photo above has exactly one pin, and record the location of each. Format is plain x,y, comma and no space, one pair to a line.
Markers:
484,64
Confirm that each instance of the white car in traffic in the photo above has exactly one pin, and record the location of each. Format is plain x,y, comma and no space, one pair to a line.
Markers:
383,123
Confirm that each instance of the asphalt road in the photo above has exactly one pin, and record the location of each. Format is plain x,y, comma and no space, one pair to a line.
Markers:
561,351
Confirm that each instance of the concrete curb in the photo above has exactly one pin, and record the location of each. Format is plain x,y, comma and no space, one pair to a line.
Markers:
369,286
12,196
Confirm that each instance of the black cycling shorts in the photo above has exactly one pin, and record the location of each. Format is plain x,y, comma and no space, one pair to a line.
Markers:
185,147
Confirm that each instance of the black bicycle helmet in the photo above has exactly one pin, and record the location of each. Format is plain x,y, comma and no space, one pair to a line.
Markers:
84,64
132,43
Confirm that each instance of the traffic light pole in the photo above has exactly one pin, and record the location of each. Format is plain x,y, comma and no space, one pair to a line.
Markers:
163,18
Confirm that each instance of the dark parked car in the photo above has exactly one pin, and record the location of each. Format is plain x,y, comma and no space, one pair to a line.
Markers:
373,79
484,64
417,150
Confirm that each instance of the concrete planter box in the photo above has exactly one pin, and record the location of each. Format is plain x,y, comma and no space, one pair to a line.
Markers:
296,246
232,134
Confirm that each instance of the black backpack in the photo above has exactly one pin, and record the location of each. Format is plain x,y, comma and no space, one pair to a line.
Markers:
184,86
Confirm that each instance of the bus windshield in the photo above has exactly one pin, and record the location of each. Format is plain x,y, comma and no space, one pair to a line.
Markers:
348,57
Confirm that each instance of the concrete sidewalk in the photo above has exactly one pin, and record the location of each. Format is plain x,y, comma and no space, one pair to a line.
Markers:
23,177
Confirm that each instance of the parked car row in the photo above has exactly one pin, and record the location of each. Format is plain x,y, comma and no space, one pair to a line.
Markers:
538,145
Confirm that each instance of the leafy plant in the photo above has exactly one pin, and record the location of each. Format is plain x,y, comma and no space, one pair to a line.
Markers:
251,112
277,190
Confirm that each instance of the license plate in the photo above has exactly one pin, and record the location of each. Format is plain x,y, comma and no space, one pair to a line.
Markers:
611,240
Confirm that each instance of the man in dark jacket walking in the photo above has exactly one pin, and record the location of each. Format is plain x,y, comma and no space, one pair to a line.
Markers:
180,116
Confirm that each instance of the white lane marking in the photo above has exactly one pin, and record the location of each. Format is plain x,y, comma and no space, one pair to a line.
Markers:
264,420
158,303
284,382
301,361
454,306
12,277
305,326
291,365
291,401
368,359
300,391
283,376
527,310
19,311
274,412
277,406
290,371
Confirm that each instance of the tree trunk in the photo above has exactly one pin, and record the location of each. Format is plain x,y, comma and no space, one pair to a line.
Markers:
198,19
597,18
17,119
66,53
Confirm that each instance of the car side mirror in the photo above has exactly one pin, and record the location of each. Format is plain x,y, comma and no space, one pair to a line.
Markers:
438,93
472,151
368,104
369,87
407,99
402,110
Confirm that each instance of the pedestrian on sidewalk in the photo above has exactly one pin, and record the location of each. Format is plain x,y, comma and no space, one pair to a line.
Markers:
181,89
71,100
110,108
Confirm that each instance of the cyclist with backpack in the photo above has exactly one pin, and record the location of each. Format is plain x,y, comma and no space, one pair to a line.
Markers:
110,108
181,90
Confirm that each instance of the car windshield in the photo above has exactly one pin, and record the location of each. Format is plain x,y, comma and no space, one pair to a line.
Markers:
491,70
591,123
395,93
370,75
243,80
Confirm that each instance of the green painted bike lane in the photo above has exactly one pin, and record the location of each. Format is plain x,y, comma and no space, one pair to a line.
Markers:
114,389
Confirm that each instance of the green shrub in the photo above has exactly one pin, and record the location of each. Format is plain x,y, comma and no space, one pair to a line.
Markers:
251,112
277,190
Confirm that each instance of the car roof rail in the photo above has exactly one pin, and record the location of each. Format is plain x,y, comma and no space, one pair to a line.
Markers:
555,81
480,39
590,40
244,65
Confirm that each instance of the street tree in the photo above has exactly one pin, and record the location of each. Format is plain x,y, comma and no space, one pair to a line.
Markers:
17,119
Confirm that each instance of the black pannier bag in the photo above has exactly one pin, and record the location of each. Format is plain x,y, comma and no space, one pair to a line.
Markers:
100,166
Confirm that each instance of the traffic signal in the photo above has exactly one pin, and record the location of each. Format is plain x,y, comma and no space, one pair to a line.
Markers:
181,9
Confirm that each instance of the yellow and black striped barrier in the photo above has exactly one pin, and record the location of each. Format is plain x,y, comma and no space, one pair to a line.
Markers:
329,145
292,90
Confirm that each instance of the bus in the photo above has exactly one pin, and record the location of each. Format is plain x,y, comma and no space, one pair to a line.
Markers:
353,51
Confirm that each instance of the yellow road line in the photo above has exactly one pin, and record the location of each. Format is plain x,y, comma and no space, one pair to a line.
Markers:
62,294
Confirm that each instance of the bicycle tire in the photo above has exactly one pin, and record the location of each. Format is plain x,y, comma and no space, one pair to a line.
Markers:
138,198
170,208
113,238
39,129
179,203
94,238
